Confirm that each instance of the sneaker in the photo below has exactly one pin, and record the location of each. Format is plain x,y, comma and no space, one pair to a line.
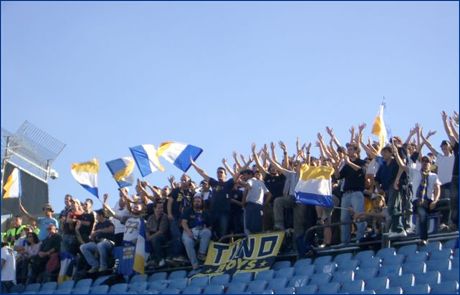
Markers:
161,263
180,258
102,269
397,234
93,269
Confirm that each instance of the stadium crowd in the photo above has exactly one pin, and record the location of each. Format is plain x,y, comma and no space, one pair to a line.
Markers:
390,189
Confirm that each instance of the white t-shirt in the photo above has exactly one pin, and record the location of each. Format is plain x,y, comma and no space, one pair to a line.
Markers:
120,213
415,178
445,167
9,269
373,167
256,192
132,226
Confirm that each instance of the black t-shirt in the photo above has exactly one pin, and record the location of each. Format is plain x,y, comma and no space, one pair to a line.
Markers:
102,225
182,199
195,219
237,195
275,184
354,180
220,201
386,174
85,230
53,241
455,149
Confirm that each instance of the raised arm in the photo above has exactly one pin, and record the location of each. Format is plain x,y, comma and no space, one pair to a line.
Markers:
199,170
235,158
278,166
398,159
352,133
227,167
447,128
332,135
453,129
285,154
429,145
256,159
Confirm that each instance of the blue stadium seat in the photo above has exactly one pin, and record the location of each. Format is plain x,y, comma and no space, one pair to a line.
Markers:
281,264
19,288
370,262
394,290
64,291
442,254
192,290
364,255
257,286
404,281
320,279
99,280
302,263
329,267
394,259
431,278
439,264
366,292
343,276
353,286
298,281
277,283
431,246
307,270
265,275
82,290
170,291
418,289
455,263
407,249
377,283
151,292
419,256
348,265
213,289
451,275
287,272
223,279
236,288
179,283
118,288
450,244
32,287
84,283
29,292
385,252
392,269
244,277
200,282
101,289
309,289
66,285
366,273
414,267
329,288
286,290
344,257
268,291
450,287
50,286
323,259
178,274
138,287
157,285
158,276
138,278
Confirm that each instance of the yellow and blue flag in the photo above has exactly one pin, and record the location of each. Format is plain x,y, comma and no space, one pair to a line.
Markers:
139,255
122,171
86,175
146,159
378,127
315,186
12,187
179,154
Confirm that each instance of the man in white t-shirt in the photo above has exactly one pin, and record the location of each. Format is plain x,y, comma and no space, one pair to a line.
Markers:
253,201
445,162
8,268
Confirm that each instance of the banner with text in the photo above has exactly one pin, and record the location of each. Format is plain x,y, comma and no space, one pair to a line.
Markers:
256,252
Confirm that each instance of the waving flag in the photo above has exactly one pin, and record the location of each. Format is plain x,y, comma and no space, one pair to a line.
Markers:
122,171
378,128
86,175
179,154
139,255
146,159
11,187
315,186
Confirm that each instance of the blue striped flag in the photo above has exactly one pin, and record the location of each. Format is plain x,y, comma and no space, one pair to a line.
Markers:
315,186
122,171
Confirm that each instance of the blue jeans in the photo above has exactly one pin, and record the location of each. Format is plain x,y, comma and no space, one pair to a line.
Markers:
221,223
354,199
253,218
103,248
203,236
176,245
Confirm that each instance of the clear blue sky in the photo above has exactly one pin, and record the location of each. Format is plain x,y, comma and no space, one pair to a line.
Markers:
104,76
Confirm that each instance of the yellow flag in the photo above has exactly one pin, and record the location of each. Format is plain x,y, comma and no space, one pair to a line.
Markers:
11,187
378,128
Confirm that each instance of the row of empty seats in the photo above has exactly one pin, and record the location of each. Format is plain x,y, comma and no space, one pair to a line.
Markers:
432,268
